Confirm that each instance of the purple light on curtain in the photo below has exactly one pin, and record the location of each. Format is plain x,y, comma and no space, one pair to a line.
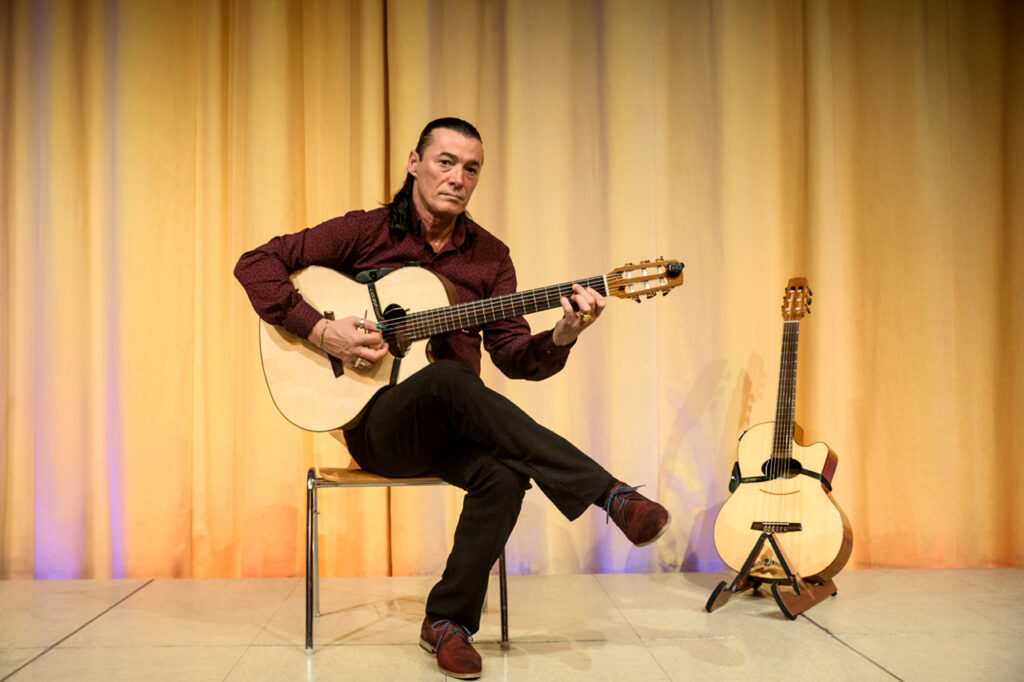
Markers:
56,554
115,446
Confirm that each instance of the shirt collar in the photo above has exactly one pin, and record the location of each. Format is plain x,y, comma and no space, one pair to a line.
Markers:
461,236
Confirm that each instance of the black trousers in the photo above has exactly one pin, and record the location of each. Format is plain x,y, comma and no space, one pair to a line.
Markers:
443,421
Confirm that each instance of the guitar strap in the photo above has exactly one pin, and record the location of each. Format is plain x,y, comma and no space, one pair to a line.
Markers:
736,479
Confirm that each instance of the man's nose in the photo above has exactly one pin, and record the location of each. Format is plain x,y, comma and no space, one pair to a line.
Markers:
456,176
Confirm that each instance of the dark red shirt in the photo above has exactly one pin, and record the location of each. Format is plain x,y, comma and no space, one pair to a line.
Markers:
476,262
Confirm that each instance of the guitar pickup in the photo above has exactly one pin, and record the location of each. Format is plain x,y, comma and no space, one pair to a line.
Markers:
776,526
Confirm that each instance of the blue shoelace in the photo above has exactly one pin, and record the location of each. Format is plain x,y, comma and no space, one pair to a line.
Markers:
614,495
446,625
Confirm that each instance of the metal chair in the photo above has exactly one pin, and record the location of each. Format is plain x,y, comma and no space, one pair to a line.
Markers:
355,478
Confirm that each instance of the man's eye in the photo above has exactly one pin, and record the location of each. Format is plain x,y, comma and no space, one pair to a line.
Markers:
445,162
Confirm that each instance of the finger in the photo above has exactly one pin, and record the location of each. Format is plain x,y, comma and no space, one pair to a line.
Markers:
584,301
370,338
368,355
595,302
570,312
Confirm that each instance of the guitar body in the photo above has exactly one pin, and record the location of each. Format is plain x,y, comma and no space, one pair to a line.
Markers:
824,542
299,375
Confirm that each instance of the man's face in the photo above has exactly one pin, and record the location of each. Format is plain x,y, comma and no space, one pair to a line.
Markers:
446,174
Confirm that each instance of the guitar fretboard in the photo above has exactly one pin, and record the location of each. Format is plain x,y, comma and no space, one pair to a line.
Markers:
782,446
427,323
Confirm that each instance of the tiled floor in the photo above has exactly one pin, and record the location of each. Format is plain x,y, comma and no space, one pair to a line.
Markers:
883,625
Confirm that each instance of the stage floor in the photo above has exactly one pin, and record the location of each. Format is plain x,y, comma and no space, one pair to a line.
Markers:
883,625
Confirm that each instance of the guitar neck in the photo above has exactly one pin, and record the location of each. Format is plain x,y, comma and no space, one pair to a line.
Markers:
427,323
785,405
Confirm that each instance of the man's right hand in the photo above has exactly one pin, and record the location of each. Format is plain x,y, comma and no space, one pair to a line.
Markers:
354,340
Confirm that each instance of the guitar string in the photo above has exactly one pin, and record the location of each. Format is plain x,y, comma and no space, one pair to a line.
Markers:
776,454
791,482
427,323
787,444
782,437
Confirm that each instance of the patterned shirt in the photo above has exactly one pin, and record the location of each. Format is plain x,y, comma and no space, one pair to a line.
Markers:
476,262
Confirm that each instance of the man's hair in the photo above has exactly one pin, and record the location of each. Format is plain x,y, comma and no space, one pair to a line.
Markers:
400,207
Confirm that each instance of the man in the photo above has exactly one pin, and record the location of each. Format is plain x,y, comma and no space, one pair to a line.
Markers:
442,420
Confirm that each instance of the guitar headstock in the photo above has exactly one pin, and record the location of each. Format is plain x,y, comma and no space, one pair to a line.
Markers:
644,279
797,299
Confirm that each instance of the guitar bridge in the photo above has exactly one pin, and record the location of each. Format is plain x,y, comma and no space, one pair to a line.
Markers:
776,526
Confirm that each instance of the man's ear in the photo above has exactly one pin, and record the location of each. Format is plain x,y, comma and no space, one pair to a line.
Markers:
414,162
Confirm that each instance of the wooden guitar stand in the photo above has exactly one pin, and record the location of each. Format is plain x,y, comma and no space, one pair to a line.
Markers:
806,592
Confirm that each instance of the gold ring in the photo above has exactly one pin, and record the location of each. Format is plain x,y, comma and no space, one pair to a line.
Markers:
585,317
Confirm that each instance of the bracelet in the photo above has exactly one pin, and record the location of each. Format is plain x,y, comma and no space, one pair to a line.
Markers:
323,331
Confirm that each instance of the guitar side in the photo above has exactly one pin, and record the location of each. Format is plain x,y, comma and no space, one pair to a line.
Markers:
299,375
824,542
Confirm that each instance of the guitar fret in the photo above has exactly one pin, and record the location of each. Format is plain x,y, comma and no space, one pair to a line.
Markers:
428,323
782,447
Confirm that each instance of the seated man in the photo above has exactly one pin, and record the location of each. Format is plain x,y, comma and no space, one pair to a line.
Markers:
442,420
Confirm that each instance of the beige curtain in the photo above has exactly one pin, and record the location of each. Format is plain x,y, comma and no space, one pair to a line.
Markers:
873,147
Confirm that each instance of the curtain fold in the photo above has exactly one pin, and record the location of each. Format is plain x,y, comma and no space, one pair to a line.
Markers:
873,147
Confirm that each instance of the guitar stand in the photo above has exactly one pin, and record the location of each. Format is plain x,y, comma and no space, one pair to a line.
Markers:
806,592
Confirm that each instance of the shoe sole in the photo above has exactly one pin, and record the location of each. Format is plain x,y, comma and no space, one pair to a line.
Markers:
426,646
668,522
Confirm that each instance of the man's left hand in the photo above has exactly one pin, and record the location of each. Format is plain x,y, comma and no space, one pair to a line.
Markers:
589,305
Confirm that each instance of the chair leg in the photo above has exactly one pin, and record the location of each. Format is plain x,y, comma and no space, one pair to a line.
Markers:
503,595
310,534
316,554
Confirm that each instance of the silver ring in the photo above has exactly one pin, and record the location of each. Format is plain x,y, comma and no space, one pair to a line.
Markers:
362,321
360,363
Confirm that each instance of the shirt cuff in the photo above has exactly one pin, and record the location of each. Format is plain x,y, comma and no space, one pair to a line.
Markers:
547,350
301,320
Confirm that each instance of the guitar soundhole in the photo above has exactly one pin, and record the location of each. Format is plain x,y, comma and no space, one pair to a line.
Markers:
781,468
398,343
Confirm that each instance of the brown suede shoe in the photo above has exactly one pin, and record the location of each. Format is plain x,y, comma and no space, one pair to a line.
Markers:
451,642
641,520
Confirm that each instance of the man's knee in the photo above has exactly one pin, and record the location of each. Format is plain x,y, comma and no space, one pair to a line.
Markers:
447,375
497,481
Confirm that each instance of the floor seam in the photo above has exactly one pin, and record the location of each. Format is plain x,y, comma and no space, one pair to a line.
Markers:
262,629
851,648
75,631
640,639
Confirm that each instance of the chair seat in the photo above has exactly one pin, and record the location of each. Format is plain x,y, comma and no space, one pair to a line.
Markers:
344,476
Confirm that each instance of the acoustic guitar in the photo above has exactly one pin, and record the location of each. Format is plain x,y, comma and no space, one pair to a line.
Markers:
315,392
783,487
